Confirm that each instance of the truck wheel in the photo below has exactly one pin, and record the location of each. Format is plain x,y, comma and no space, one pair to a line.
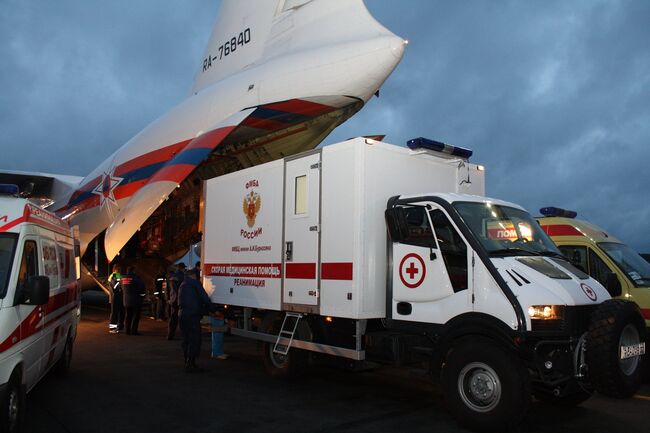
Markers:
615,324
13,403
486,389
63,364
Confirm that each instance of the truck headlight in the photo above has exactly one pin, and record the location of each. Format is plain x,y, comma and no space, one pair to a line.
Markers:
545,312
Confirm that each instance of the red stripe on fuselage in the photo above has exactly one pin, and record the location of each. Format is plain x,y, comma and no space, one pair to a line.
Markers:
159,155
211,139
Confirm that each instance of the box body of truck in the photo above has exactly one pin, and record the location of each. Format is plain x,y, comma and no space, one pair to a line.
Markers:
307,234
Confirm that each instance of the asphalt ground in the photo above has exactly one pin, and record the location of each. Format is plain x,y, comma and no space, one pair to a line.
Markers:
120,383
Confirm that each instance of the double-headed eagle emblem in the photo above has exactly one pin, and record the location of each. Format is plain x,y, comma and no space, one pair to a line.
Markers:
251,207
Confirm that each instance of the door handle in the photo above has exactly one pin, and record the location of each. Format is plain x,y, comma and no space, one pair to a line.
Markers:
288,251
432,255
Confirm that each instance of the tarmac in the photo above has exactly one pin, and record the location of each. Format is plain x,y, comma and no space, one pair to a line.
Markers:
121,384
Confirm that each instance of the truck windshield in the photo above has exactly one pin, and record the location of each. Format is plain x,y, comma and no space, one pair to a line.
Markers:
7,250
629,261
506,231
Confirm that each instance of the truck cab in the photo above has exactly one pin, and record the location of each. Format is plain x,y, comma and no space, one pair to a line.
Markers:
604,257
39,299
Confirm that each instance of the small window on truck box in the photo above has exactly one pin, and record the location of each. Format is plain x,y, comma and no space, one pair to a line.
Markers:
300,197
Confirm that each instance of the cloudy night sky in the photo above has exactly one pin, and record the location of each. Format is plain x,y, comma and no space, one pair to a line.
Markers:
553,96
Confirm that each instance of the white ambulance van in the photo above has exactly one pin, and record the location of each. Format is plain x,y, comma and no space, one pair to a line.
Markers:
39,300
338,252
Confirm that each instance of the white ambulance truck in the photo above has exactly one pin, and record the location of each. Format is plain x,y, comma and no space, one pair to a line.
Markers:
39,300
336,251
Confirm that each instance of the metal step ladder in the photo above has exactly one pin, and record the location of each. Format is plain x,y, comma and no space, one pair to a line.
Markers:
287,331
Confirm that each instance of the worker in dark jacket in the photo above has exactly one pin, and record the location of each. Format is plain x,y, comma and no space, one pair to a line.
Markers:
193,303
116,322
134,292
175,281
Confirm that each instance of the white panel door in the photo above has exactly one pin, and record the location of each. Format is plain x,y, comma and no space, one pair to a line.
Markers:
301,233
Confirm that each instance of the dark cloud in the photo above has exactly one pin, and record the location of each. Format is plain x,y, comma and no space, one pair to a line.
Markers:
551,96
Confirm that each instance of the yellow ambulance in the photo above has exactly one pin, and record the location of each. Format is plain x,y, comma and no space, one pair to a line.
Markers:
607,259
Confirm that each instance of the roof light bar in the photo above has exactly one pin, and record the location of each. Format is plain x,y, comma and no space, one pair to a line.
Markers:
557,212
9,189
437,146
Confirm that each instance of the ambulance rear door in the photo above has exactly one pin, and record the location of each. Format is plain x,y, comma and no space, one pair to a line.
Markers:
301,261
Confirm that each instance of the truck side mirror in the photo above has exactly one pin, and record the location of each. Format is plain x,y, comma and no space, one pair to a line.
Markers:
38,291
396,224
613,285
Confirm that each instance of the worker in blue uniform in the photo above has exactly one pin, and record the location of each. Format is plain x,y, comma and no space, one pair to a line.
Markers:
193,304
175,281
134,292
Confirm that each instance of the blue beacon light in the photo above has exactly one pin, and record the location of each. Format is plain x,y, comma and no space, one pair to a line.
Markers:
9,189
552,211
437,146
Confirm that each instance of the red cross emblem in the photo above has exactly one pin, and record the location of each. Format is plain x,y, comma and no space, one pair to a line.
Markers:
412,270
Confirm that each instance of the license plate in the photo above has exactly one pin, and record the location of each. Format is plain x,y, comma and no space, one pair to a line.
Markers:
634,350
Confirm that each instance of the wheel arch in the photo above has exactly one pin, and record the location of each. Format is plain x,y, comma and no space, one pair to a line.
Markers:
471,326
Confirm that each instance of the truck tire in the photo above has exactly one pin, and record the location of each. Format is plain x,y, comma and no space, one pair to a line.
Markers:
614,324
486,388
13,406
62,366
288,366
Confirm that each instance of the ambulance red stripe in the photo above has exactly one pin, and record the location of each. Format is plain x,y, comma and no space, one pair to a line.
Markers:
307,271
32,323
561,230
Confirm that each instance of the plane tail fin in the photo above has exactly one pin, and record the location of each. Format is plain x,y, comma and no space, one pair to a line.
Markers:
251,32
237,39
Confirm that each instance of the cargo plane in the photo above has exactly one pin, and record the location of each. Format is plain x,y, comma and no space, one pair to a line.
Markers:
275,79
